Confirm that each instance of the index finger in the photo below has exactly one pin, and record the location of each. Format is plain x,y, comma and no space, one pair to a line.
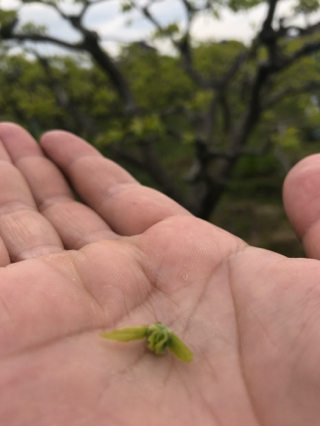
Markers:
128,207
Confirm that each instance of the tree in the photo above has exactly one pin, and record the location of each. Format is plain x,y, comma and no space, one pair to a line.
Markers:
230,97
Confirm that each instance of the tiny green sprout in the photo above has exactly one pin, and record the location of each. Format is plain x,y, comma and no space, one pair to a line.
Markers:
158,338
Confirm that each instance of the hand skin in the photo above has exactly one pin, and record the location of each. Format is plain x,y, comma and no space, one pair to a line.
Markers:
131,256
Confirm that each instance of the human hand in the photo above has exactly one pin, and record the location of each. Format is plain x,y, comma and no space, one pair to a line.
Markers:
131,256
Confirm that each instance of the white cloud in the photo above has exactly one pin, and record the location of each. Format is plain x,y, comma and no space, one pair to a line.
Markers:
9,4
231,26
102,13
44,15
106,18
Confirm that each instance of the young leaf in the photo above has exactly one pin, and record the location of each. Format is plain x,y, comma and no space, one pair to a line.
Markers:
179,349
158,336
127,334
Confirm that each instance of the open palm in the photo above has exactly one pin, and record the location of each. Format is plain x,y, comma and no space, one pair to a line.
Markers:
131,256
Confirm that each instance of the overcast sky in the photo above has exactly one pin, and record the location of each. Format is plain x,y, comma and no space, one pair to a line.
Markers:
106,19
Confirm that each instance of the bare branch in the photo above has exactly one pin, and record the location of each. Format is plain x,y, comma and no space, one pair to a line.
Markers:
270,15
84,9
39,38
290,91
226,113
252,114
183,46
158,172
234,68
56,7
305,50
309,30
190,12
187,60
146,13
268,35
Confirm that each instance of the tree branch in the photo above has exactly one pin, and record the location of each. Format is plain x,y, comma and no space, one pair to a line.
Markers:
268,36
39,38
226,113
183,46
305,50
158,172
234,68
187,61
290,91
267,24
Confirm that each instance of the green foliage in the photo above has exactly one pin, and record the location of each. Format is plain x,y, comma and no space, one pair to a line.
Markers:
168,31
126,7
157,81
33,29
307,6
213,59
7,16
216,5
236,5
29,95
159,84
313,115
200,101
289,138
112,135
147,126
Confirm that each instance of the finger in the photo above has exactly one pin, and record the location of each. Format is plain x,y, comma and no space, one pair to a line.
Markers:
24,231
128,207
4,255
76,224
301,196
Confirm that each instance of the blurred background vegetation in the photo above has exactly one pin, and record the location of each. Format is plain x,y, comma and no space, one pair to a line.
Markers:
214,125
